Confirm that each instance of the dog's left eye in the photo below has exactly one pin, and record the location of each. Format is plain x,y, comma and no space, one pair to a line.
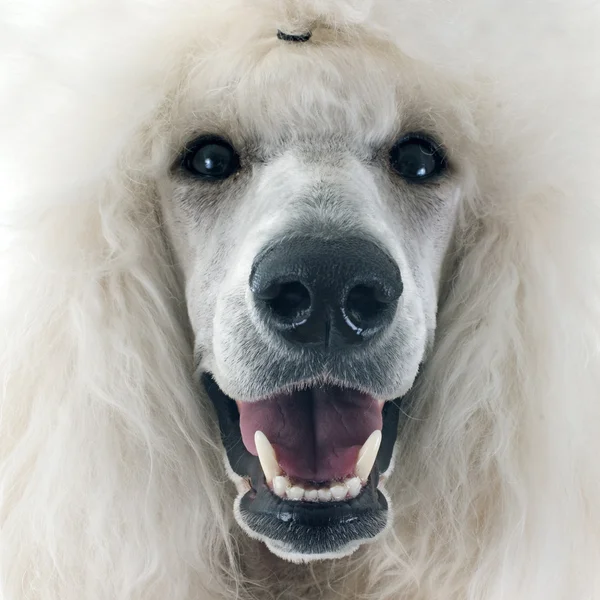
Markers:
211,158
417,158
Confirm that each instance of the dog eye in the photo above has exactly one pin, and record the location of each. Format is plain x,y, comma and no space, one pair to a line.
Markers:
211,158
417,158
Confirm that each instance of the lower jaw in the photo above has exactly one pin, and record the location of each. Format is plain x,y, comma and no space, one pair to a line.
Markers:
296,530
303,531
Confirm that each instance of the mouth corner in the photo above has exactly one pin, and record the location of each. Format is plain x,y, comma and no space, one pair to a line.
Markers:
308,500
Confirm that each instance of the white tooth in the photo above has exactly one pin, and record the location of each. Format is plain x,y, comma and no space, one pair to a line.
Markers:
280,484
295,493
339,491
311,495
324,494
354,486
367,455
266,456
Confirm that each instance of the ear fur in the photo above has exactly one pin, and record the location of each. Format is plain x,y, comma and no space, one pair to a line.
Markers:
103,438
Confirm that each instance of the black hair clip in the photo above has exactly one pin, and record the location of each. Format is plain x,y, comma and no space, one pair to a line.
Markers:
288,37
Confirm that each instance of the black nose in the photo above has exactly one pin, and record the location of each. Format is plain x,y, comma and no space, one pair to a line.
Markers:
329,292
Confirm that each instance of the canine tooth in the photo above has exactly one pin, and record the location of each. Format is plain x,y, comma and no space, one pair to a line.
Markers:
311,495
266,456
280,485
339,491
367,455
354,486
295,493
324,494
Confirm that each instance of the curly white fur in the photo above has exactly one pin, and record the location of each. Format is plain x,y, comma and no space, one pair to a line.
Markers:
111,479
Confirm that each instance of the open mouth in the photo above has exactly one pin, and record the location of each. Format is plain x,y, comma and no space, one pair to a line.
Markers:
309,465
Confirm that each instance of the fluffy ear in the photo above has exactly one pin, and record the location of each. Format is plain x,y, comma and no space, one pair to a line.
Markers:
498,464
101,435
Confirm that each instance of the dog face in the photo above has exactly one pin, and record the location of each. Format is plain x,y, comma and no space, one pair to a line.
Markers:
310,201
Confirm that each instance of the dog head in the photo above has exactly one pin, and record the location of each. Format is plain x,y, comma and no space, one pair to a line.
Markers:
310,201
387,235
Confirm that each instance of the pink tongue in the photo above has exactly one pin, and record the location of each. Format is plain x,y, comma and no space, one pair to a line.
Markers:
317,433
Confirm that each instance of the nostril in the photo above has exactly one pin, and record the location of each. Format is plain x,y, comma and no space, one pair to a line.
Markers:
289,301
366,306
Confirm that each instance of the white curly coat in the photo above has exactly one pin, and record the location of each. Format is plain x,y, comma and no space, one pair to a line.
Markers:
111,479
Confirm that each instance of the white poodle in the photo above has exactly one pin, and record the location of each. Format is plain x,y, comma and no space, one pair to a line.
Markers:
299,299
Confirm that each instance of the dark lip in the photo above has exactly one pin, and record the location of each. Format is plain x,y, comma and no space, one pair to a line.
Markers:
300,526
309,528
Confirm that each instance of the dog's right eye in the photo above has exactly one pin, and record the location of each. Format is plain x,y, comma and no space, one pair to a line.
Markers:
417,158
210,158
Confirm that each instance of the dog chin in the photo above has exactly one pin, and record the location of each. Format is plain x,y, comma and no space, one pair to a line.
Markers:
307,466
